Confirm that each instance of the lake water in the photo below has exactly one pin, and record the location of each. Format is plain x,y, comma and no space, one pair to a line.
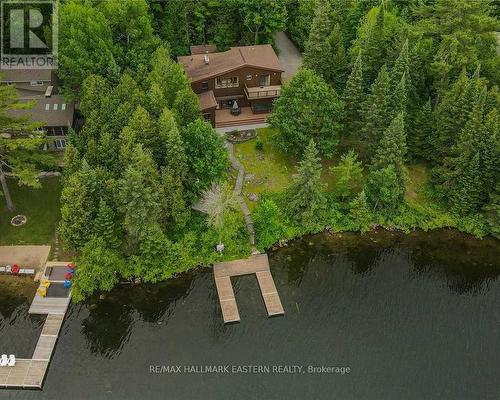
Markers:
412,316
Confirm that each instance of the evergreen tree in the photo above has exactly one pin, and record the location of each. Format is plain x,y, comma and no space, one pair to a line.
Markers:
492,210
392,147
401,67
105,225
419,141
375,45
317,47
186,107
170,152
174,210
336,72
348,176
353,97
399,100
384,191
376,110
359,212
306,195
139,194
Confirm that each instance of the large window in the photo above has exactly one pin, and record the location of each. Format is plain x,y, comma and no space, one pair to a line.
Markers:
221,83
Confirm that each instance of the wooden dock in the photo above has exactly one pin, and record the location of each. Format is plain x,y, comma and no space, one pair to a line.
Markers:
258,264
29,373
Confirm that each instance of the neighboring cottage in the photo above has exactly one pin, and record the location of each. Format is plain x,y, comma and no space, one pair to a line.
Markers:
247,77
40,86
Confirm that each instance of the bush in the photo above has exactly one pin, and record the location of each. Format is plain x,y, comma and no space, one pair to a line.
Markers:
269,222
259,145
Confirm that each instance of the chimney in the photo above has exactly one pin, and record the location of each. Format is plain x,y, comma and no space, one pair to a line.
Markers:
206,59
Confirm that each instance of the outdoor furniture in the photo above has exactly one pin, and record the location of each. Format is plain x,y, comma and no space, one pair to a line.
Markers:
235,109
4,360
12,360
27,271
42,291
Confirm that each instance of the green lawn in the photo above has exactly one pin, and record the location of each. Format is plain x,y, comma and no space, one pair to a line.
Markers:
418,176
41,207
272,170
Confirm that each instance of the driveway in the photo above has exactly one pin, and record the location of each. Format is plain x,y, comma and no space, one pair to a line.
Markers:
290,57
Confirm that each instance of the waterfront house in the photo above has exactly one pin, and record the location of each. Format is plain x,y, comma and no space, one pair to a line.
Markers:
50,108
235,87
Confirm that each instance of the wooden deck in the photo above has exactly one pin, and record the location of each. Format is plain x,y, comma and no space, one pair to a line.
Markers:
29,373
224,118
257,264
49,305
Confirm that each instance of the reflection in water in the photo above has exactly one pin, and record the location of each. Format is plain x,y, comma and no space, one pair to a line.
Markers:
415,317
113,315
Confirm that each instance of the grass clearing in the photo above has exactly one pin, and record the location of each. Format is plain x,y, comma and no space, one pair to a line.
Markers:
41,207
418,176
271,169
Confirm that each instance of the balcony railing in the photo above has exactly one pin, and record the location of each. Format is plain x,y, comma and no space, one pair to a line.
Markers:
262,92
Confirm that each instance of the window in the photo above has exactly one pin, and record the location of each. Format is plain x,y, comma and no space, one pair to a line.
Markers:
63,106
249,77
36,83
207,117
221,83
47,107
55,107
265,80
204,86
60,143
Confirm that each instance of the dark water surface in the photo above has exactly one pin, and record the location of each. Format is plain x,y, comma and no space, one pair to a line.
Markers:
413,316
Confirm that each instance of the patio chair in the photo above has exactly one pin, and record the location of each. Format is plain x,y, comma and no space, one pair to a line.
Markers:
4,360
12,360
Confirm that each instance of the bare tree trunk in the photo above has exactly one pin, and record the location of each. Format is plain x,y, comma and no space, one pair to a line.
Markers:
256,37
5,189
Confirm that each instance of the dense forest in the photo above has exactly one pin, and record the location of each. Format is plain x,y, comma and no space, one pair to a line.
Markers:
386,85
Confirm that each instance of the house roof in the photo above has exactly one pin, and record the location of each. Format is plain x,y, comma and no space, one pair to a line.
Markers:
260,56
49,117
207,100
203,49
25,75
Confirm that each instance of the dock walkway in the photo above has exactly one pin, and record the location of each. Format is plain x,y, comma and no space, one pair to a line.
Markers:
29,373
257,264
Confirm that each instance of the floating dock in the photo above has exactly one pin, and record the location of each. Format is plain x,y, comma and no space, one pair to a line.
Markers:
29,373
258,264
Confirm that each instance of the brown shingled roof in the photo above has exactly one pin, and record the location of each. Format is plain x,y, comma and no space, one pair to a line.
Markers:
260,56
207,100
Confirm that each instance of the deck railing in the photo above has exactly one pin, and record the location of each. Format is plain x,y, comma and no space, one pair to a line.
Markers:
262,92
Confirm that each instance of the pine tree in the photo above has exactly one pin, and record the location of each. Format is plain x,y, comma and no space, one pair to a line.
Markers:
401,67
384,191
348,176
336,73
306,195
375,46
359,212
376,110
139,194
174,210
392,147
317,47
353,97
492,211
105,225
170,152
399,100
420,136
